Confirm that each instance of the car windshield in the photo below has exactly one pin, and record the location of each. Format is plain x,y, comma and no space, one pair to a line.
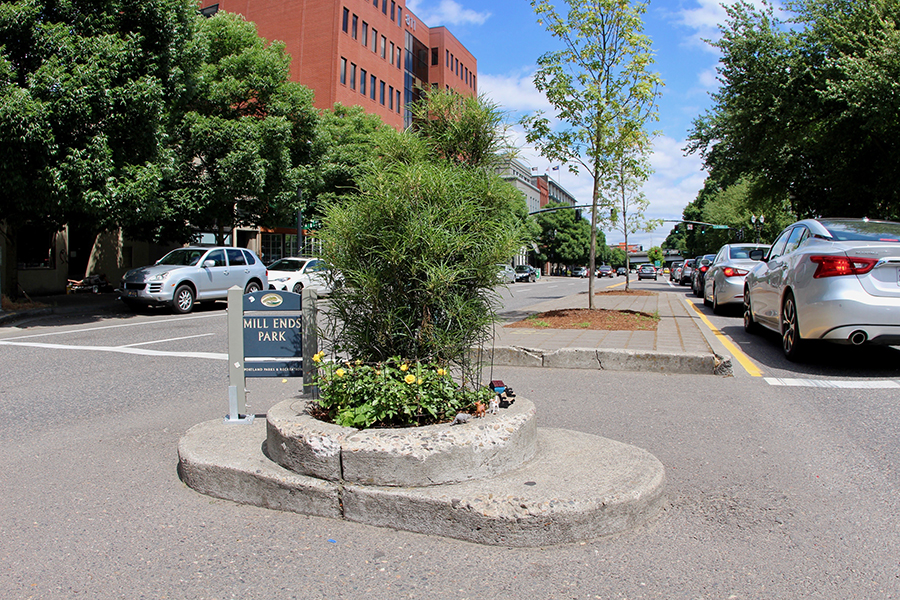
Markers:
287,264
742,252
522,269
185,257
871,231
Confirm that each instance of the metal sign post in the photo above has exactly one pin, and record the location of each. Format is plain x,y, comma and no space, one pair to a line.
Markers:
237,392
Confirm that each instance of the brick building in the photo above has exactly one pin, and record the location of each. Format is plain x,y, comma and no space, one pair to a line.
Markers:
372,53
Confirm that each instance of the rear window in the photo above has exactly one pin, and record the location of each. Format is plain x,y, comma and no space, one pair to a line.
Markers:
871,231
738,252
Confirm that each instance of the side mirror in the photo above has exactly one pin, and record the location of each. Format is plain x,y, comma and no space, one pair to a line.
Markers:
209,263
757,254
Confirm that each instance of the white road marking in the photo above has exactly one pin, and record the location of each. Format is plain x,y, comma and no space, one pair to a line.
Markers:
154,322
121,350
838,384
187,337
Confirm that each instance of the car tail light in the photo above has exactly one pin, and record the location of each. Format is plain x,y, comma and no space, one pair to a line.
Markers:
732,272
833,266
703,269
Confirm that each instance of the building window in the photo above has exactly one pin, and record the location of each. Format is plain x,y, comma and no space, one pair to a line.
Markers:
399,17
346,21
398,102
381,93
352,76
393,9
384,6
447,58
457,67
383,47
392,53
390,97
35,247
362,82
365,37
344,71
434,57
374,40
353,30
270,245
372,87
399,57
375,3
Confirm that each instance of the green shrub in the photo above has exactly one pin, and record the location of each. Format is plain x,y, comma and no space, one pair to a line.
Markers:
391,393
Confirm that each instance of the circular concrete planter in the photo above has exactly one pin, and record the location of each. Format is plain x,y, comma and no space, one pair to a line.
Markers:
406,457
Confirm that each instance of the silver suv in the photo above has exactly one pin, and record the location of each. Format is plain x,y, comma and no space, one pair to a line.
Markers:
189,275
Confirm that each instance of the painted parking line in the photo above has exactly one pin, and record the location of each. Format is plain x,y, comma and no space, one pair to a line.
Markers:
187,337
117,326
736,352
119,350
834,383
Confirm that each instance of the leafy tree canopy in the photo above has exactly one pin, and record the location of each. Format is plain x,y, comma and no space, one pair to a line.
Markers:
807,110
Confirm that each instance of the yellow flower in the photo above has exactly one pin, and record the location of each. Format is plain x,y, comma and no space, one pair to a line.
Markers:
340,372
419,381
442,372
410,378
358,362
317,357
404,367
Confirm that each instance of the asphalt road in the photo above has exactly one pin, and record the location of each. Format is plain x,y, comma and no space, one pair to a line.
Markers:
773,491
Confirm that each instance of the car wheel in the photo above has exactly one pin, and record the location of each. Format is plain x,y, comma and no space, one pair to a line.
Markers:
716,307
791,343
183,301
750,326
252,286
706,301
298,288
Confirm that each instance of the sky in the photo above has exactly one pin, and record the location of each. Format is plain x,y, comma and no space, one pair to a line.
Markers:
506,40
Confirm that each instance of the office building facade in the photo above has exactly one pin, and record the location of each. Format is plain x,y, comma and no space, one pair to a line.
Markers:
371,53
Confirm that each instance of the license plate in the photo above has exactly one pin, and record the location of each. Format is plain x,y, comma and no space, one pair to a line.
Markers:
131,293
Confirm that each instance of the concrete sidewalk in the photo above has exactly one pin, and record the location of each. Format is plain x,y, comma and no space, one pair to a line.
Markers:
677,346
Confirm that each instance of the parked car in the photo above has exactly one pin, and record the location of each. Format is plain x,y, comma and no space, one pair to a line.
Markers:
579,272
295,273
701,265
506,274
647,272
724,281
828,279
526,273
605,271
687,269
675,271
621,271
194,274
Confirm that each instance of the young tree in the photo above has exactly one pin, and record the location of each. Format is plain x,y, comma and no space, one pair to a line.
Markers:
600,87
627,201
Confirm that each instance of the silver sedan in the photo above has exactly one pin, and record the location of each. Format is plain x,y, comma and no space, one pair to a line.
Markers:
724,281
828,279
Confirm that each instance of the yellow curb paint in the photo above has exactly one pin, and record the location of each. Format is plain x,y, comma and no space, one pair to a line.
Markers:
742,358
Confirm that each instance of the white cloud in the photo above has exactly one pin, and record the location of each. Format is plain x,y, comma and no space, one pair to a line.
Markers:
514,92
447,12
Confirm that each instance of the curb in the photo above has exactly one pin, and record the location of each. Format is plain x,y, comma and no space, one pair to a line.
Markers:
610,360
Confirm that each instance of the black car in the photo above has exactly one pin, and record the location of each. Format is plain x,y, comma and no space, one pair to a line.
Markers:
525,273
701,266
647,272
605,271
621,271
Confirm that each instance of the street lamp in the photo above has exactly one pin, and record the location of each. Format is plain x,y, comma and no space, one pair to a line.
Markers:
757,224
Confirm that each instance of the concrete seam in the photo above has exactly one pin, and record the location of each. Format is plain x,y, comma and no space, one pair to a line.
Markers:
599,361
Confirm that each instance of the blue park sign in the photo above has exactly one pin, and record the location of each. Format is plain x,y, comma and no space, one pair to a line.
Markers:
273,334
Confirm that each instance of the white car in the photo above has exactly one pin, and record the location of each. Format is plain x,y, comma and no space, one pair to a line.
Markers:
294,273
724,281
506,274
